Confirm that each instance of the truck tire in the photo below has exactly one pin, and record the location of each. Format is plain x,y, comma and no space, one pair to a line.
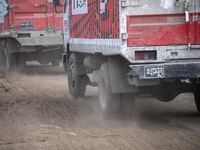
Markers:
11,61
197,98
83,79
65,67
77,83
109,102
44,61
127,105
55,62
2,61
8,61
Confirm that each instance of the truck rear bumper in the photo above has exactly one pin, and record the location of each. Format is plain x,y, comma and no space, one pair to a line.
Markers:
166,70
48,41
38,38
163,53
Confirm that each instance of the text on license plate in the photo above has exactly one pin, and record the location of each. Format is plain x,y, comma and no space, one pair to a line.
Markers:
154,72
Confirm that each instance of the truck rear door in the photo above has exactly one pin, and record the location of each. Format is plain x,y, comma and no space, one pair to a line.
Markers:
35,15
163,22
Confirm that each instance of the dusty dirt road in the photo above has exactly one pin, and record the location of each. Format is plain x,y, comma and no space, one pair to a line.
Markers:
37,113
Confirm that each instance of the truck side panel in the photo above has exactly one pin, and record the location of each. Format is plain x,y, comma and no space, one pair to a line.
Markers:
99,21
94,23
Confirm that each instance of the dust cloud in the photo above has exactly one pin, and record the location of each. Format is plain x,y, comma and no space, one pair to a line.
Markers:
37,112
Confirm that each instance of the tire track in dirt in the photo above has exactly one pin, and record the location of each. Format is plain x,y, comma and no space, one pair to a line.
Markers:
3,89
55,109
4,84
38,113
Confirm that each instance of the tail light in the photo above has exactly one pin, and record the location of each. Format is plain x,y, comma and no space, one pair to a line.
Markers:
145,55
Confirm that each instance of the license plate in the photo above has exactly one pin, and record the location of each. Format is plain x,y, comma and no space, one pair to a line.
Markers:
154,72
27,25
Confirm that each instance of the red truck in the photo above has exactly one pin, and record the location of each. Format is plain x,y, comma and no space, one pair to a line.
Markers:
132,47
30,30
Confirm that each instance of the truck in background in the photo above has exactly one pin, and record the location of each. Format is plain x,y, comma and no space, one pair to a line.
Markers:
132,47
30,30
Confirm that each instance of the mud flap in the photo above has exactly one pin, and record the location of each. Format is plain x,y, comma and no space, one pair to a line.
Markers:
64,58
118,77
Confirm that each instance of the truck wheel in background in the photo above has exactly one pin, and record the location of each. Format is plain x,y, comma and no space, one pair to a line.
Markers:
83,82
8,61
197,98
109,102
77,83
55,62
11,60
2,61
44,61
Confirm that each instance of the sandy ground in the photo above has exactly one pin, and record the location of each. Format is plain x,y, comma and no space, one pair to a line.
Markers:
37,113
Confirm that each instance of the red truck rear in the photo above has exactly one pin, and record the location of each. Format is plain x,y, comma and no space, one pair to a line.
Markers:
132,47
30,30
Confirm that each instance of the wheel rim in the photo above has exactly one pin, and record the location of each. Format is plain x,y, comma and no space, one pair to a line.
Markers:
102,92
71,77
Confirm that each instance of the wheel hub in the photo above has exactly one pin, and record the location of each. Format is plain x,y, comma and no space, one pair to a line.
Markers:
71,78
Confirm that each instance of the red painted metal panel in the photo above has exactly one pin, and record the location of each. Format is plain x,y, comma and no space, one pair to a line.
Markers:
100,21
30,11
40,12
4,27
164,29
